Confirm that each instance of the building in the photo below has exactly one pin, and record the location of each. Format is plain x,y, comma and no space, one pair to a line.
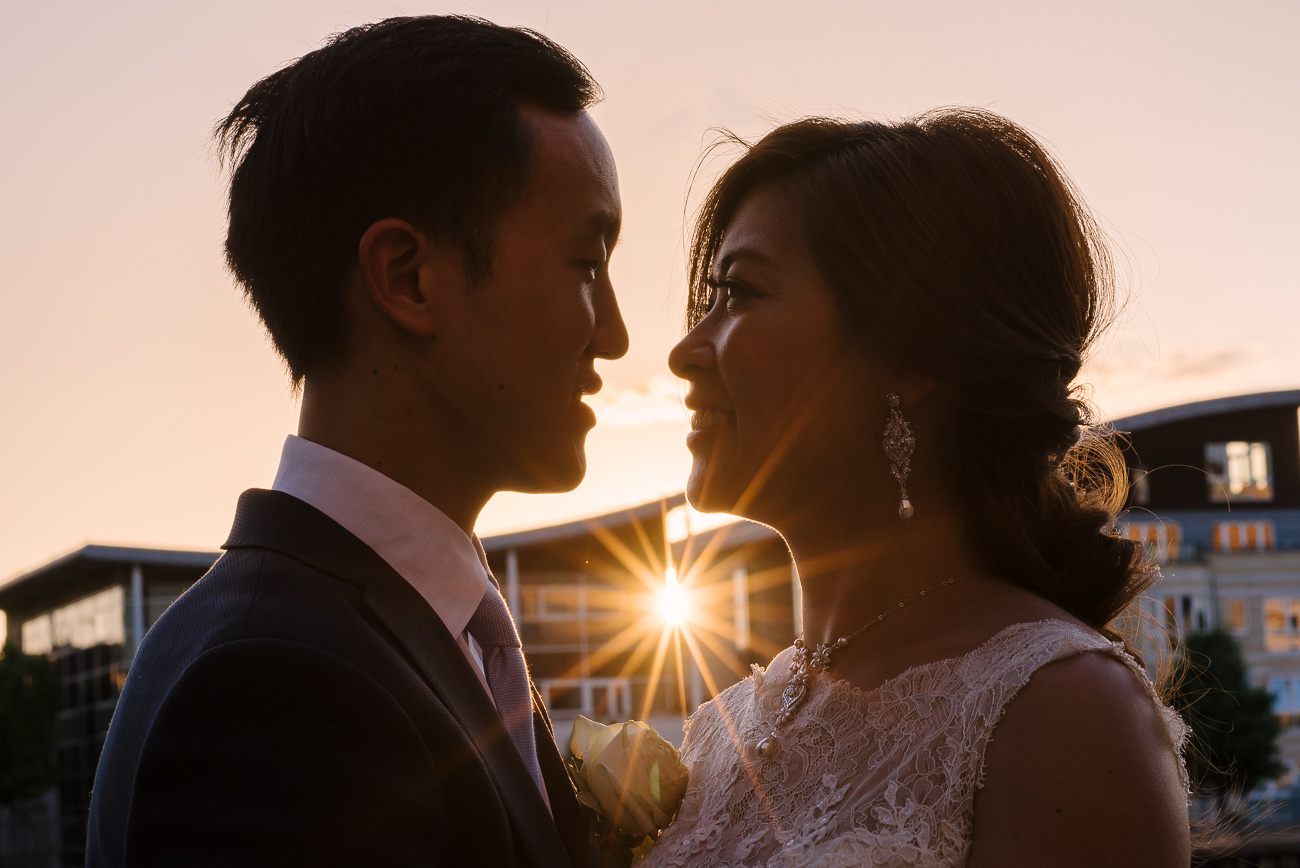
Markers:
1216,495
586,594
89,611
591,598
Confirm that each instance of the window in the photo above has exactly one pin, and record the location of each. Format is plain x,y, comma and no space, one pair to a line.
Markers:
528,605
1282,624
1160,538
607,601
85,623
1141,487
1239,471
1237,616
559,601
1187,613
1284,698
563,697
598,698
1243,536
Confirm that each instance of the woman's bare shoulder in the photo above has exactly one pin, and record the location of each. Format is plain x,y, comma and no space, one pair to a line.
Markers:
1081,771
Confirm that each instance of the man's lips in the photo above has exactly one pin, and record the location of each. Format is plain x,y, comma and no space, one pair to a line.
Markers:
587,385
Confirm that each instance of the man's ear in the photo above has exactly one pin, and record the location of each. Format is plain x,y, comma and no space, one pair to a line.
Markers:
403,269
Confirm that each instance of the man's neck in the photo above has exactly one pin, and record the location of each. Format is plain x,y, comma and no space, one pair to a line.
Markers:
407,448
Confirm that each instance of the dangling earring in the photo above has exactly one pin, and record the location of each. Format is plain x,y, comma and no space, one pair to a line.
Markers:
899,444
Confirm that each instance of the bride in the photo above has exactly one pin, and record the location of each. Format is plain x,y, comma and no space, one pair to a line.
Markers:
885,323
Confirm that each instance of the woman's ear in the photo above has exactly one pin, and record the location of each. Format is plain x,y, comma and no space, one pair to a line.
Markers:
403,270
912,385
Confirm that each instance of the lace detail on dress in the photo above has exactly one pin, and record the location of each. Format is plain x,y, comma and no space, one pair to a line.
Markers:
885,777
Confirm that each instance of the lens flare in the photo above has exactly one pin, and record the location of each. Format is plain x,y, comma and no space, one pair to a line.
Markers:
674,605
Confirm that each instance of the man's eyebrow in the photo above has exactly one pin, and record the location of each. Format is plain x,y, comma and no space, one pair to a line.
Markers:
608,225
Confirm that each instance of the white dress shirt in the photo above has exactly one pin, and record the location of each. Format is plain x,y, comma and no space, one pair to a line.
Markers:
418,540
447,566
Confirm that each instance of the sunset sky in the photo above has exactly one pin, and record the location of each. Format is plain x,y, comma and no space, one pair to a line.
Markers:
140,396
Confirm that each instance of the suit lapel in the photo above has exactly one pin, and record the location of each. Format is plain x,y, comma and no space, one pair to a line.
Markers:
569,817
272,519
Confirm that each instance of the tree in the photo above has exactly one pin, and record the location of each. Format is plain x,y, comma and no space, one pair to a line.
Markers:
29,700
1234,731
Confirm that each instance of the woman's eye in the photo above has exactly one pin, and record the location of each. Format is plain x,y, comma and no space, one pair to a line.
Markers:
726,292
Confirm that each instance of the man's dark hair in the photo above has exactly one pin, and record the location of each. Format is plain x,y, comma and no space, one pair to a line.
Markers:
413,118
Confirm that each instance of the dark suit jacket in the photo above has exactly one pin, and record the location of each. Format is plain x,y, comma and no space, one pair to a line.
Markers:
303,705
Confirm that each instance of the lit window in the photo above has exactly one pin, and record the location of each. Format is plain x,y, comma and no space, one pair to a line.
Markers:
1275,615
1160,538
1282,625
1243,536
1239,471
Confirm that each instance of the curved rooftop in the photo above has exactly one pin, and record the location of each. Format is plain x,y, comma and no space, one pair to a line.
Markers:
72,568
1212,407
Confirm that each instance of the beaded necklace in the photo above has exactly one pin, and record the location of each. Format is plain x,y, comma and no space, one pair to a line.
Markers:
806,662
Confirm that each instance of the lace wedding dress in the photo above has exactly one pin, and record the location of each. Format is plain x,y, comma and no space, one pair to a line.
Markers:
885,777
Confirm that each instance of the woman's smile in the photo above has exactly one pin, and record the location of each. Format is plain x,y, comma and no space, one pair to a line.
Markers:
776,394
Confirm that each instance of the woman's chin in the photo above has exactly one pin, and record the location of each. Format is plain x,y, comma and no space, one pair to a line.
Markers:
706,493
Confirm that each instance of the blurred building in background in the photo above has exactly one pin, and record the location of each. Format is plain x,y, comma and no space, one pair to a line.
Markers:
1216,496
592,599
89,611
649,611
599,603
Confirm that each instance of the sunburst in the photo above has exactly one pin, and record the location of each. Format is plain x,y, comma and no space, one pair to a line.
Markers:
676,607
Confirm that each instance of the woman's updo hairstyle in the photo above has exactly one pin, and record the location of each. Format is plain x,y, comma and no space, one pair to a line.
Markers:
957,247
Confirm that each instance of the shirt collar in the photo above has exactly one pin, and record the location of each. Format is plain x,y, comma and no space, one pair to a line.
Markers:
444,564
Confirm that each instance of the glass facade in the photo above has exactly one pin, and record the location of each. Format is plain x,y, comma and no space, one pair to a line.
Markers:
92,679
98,619
91,641
86,638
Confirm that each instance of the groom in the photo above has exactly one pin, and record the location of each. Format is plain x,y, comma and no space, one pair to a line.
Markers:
422,213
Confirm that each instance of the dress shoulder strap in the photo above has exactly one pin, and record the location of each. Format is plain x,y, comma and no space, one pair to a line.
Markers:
1001,668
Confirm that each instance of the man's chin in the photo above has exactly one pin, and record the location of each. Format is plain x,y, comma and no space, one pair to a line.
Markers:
554,477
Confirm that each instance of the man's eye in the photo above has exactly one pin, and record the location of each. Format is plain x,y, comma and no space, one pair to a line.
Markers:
592,267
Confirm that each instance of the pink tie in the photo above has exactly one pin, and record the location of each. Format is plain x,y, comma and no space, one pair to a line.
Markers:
507,676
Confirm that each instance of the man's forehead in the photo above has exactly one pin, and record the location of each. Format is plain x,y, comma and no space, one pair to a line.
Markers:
571,173
607,224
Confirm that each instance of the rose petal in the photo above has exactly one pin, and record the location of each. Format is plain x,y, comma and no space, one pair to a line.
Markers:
604,737
584,730
628,773
605,789
630,813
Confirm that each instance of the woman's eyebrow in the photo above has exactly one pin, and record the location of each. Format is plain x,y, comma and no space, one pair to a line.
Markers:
742,253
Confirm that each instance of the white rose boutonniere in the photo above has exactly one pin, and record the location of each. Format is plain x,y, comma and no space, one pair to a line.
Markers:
628,776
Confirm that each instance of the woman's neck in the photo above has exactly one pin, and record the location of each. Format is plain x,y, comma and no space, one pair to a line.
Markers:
854,567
